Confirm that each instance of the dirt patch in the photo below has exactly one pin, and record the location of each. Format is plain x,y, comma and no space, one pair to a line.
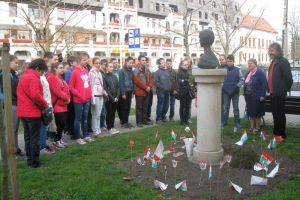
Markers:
216,189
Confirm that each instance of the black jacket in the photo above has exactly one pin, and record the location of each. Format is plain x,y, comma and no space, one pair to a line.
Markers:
282,76
14,84
173,75
111,86
183,74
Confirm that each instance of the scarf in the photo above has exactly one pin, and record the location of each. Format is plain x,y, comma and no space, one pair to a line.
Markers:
250,74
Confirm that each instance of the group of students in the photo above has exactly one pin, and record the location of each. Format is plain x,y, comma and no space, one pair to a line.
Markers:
79,93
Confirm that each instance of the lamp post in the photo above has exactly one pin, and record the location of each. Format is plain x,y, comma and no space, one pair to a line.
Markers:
285,30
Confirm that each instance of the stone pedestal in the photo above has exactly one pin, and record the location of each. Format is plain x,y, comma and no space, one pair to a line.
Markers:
209,87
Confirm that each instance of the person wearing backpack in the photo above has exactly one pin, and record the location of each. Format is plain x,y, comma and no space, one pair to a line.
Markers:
14,84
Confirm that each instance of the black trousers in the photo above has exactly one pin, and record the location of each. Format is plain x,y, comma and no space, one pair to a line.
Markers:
150,104
70,117
111,108
60,120
185,101
119,109
89,119
141,105
125,105
278,112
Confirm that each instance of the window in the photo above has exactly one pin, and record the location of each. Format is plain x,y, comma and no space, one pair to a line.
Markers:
157,6
153,24
203,2
131,2
258,43
238,20
200,2
140,3
236,8
153,41
35,11
163,7
190,1
253,55
263,43
258,57
214,4
262,57
61,15
249,42
217,17
253,42
200,14
206,16
14,34
12,9
93,14
173,8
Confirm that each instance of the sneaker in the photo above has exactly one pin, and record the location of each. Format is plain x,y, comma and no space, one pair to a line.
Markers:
58,145
20,155
139,125
39,165
63,142
126,125
223,124
103,128
149,119
80,141
88,139
238,125
115,130
111,131
165,120
43,150
100,135
160,122
130,125
190,121
148,123
49,150
171,119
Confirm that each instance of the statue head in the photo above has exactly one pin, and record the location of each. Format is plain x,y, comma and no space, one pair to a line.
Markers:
207,37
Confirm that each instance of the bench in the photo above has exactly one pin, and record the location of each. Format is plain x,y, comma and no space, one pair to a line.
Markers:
292,105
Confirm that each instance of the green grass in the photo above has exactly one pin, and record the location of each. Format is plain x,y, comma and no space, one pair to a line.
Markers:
92,171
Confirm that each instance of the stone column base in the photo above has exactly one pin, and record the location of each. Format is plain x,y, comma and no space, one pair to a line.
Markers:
213,157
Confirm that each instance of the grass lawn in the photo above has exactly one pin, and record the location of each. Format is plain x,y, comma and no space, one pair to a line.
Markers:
91,171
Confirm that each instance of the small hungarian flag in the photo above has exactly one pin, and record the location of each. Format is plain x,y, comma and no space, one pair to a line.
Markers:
156,134
193,136
210,173
221,164
146,154
138,160
159,150
234,129
182,137
131,143
265,159
235,187
154,163
182,186
243,138
277,162
259,167
228,158
160,185
279,139
165,168
263,135
202,165
174,163
273,172
174,135
272,144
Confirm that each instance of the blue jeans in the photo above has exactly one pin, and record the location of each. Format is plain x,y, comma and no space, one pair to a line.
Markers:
81,113
96,112
235,103
32,128
43,134
102,116
172,105
163,103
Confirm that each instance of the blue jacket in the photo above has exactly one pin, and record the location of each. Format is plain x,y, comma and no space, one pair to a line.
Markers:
233,81
68,74
258,84
125,80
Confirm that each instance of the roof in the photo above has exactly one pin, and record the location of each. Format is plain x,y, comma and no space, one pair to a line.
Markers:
262,25
14,27
154,35
75,29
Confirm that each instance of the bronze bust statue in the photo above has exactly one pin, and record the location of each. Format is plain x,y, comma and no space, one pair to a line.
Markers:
208,60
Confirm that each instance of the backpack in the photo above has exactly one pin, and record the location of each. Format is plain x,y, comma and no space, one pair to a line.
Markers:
2,95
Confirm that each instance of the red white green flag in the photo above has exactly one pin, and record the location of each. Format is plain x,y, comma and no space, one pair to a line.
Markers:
193,136
156,134
234,129
202,165
210,172
265,159
263,135
160,185
221,164
182,137
174,135
243,138
182,186
159,150
165,168
228,158
272,143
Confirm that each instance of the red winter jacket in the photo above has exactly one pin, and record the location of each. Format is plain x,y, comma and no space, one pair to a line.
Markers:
56,86
32,85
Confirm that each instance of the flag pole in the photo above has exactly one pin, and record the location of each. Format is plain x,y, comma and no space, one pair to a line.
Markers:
131,155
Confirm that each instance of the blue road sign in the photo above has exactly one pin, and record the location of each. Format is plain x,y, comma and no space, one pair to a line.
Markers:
134,37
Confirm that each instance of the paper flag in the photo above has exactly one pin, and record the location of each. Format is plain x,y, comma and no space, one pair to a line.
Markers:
202,165
138,160
165,168
159,150
258,167
235,187
156,134
174,135
255,180
131,143
210,173
160,196
183,147
193,136
174,162
228,158
182,137
265,159
146,154
154,164
221,164
195,143
234,129
263,135
243,138
279,139
277,162
273,172
272,144
160,185
182,186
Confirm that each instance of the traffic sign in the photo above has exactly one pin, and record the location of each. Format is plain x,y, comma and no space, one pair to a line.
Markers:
134,37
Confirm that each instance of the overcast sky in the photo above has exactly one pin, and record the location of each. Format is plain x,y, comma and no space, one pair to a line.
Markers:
273,10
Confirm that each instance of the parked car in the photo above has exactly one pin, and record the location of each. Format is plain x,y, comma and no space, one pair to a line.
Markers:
262,66
241,66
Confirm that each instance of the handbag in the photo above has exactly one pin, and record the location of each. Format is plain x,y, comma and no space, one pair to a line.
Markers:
47,116
192,94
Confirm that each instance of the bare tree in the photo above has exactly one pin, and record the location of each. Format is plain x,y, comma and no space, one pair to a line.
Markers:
228,21
294,21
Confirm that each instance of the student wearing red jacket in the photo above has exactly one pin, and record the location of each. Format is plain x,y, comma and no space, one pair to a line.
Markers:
29,113
80,87
60,97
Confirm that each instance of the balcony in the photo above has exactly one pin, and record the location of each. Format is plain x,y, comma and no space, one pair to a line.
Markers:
103,43
21,40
